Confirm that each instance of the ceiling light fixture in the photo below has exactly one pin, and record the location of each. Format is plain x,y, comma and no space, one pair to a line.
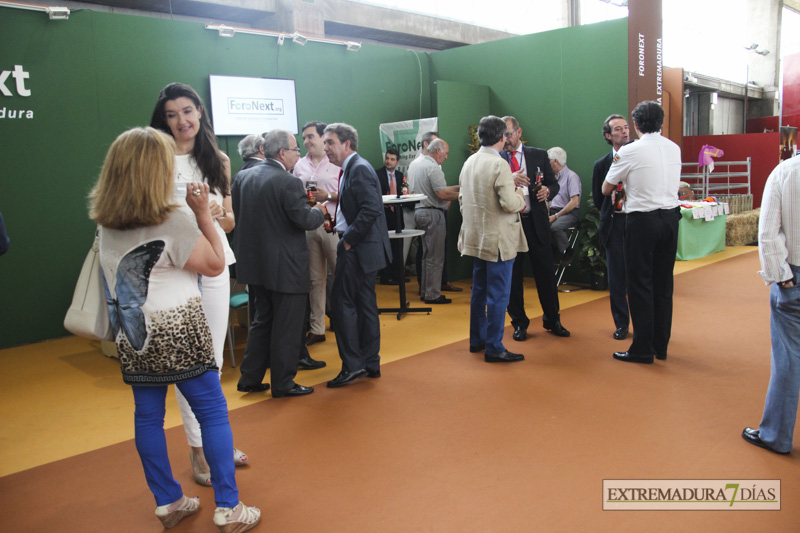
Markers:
58,13
54,12
230,31
226,31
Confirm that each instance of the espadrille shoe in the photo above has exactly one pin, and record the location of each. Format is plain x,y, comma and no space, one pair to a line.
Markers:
236,519
176,511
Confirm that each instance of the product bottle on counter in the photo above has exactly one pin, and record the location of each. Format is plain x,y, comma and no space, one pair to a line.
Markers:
619,198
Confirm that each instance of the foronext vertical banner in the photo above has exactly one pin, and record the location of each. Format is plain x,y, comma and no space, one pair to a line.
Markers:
406,137
645,52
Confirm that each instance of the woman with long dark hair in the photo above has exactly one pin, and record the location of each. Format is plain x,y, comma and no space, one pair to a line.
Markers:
180,113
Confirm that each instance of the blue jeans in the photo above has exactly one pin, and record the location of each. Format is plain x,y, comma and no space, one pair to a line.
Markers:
491,287
205,397
780,407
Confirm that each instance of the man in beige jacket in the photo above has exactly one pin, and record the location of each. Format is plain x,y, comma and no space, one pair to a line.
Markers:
491,233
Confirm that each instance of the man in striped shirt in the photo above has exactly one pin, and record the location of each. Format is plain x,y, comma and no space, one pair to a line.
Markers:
779,251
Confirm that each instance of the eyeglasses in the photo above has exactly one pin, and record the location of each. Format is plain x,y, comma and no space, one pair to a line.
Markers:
296,149
510,133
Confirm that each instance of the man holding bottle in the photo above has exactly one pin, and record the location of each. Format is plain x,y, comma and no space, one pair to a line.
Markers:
526,164
612,225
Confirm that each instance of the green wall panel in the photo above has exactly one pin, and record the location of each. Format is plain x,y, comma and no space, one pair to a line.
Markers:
458,106
559,84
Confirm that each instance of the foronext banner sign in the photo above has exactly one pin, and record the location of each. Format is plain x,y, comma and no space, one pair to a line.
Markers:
241,106
406,137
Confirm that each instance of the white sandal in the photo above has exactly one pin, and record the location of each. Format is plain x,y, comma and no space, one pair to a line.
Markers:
176,511
236,519
201,478
239,457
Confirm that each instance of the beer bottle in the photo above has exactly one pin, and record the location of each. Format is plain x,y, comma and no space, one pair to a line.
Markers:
404,186
311,187
619,198
539,177
327,223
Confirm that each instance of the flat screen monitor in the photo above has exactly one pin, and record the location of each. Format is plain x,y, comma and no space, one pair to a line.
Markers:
241,106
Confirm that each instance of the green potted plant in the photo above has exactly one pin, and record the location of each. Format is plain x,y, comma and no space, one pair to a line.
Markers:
591,254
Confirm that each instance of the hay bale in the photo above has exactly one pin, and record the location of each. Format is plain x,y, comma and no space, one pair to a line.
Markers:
742,228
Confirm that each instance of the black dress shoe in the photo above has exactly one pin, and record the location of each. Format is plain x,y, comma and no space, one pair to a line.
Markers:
307,363
661,356
297,390
313,338
556,328
633,358
752,436
520,333
440,300
373,374
503,357
476,348
345,378
261,387
621,333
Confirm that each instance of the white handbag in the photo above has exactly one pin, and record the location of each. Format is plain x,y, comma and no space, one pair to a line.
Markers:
88,314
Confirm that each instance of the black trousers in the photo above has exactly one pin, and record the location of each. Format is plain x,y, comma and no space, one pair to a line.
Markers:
541,257
275,339
617,278
355,311
651,241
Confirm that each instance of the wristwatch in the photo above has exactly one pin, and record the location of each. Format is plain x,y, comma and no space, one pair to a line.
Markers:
330,197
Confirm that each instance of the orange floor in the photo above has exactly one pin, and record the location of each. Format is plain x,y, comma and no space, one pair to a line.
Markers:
443,441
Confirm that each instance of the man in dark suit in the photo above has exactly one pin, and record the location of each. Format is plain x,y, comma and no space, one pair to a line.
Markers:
391,182
251,149
525,162
612,225
363,250
272,258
